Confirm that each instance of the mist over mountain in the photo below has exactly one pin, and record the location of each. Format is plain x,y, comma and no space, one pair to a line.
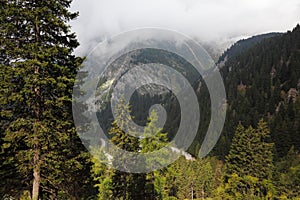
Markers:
262,80
140,115
243,45
206,21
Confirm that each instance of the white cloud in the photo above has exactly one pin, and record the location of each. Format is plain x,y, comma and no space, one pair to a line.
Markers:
206,20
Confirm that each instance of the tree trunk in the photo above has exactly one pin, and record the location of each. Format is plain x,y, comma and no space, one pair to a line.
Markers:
36,175
36,156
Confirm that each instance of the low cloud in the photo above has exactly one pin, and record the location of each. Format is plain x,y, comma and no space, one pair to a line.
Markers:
205,20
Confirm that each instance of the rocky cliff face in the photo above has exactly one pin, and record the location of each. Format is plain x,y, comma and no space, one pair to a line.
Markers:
110,84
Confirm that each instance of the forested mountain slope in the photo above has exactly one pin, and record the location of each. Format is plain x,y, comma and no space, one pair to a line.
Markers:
245,44
264,82
261,81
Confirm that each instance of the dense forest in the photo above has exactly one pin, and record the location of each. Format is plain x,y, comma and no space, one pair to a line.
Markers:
243,45
42,156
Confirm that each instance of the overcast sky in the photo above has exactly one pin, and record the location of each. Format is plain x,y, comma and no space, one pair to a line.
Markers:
205,20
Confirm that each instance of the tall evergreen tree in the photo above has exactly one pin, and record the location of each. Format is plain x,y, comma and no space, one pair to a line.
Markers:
122,185
237,155
102,174
250,163
194,178
37,74
251,152
153,139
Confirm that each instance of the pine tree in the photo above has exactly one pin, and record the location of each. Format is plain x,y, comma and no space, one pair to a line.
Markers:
153,139
250,152
102,174
125,185
287,176
262,151
194,178
38,71
238,152
250,163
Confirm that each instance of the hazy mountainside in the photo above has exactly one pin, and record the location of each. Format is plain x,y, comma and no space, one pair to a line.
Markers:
264,81
243,45
49,99
144,97
261,78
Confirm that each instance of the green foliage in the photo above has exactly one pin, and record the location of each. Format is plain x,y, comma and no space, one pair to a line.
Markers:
287,175
196,178
153,139
125,185
111,183
37,70
101,174
262,82
188,179
39,145
250,164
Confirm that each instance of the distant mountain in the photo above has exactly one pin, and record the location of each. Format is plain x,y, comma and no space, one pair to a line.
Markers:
261,77
264,82
144,97
243,45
